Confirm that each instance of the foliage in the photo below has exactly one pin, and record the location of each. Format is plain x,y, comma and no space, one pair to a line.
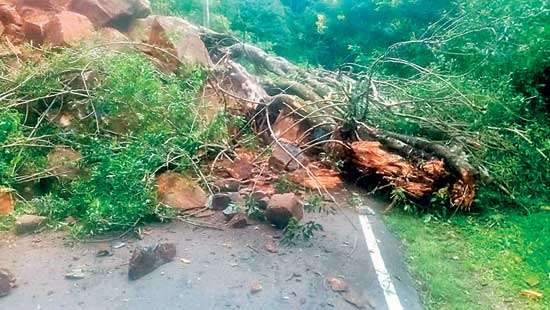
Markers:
296,232
467,262
137,121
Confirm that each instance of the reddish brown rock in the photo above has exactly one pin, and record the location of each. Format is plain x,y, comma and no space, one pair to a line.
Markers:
7,282
227,185
1,29
68,28
337,284
6,201
144,260
283,207
181,39
117,13
47,5
240,169
109,34
140,29
238,221
9,15
34,24
179,192
281,157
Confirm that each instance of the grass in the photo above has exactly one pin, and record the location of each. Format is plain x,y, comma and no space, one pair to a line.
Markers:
481,262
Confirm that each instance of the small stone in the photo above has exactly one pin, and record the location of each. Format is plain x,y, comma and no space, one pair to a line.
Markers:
221,201
271,246
144,260
104,250
179,192
28,223
238,221
7,282
337,285
256,287
76,274
227,185
282,207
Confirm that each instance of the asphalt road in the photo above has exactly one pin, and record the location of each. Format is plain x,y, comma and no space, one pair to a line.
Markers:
217,271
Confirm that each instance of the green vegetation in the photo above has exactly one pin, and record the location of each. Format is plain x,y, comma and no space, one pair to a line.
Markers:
477,262
132,121
474,74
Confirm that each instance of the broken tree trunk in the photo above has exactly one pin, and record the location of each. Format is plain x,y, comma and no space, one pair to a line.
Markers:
309,110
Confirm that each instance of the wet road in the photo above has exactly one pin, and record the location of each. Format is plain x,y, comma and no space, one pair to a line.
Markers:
223,266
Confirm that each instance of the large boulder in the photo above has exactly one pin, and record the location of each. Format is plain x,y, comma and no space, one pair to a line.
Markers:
34,24
282,207
9,15
29,223
179,192
287,156
116,13
47,5
180,42
68,28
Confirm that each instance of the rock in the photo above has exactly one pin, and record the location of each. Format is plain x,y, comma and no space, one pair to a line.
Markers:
256,287
280,159
227,185
181,39
145,260
28,223
76,274
46,5
221,201
68,28
240,169
104,250
337,285
179,192
6,201
63,163
116,13
271,246
140,29
109,34
282,207
34,24
1,29
238,221
231,211
355,300
7,282
9,15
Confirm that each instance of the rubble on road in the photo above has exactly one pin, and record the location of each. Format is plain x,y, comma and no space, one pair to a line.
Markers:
282,207
144,260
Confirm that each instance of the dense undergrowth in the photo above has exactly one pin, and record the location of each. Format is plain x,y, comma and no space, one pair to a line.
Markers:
129,121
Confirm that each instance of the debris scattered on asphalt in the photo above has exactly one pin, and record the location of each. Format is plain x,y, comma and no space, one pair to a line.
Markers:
271,246
238,221
185,261
104,250
76,274
256,287
144,260
337,284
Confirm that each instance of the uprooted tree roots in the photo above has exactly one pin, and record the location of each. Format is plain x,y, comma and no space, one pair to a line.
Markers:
307,112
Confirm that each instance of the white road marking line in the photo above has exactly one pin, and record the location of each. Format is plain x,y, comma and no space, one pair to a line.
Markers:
384,278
